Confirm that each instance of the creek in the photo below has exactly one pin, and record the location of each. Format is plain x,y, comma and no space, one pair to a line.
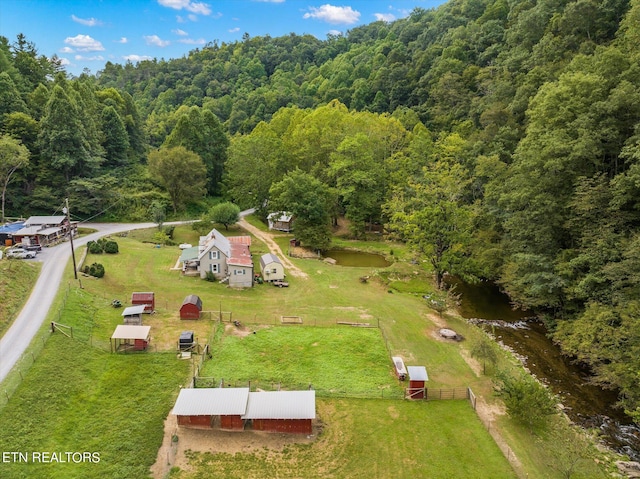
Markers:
585,403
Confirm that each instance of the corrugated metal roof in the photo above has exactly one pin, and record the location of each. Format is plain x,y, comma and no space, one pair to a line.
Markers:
240,255
131,310
245,240
128,331
142,296
417,373
45,220
189,254
211,402
281,405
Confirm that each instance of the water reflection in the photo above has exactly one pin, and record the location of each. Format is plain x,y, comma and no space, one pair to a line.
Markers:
345,257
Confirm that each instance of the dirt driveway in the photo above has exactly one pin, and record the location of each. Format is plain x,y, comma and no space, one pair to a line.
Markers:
267,238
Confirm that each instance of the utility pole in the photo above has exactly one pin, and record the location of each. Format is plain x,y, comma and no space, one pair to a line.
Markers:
73,253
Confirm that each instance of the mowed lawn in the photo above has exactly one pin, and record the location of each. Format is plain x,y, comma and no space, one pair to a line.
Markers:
334,360
78,397
372,439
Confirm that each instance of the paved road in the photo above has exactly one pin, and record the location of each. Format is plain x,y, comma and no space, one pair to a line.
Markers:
54,260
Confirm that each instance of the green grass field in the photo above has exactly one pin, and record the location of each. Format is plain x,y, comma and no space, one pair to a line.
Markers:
16,280
79,397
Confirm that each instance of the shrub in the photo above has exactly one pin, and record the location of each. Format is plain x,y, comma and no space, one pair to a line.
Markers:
210,276
96,270
111,247
94,247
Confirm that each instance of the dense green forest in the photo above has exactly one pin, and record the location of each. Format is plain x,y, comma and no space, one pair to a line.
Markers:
500,138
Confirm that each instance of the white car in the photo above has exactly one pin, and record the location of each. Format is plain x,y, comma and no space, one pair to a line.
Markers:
20,253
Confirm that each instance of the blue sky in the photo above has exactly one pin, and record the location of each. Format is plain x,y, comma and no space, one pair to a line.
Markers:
88,33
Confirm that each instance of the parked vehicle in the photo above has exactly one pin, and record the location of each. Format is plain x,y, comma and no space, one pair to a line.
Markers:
20,253
29,247
281,284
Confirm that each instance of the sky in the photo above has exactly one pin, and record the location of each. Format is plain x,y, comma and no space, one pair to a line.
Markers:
85,34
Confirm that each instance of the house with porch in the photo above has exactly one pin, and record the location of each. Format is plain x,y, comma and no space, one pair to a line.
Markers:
228,259
45,230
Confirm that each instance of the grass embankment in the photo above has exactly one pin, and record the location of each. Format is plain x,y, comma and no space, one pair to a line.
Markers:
17,278
360,438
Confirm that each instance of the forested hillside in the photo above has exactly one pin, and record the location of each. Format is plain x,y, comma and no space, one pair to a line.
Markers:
499,138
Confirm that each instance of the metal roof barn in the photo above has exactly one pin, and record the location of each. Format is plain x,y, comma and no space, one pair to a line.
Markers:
191,307
199,407
282,411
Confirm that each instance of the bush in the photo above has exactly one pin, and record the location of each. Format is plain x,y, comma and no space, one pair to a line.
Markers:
111,247
96,270
94,247
210,276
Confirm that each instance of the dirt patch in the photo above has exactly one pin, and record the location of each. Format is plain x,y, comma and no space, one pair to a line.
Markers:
267,239
178,441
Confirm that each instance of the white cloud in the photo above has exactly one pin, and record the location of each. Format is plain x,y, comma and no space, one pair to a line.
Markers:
385,17
192,17
89,22
199,8
84,43
179,19
234,30
137,58
156,40
192,41
123,40
66,50
64,61
94,58
182,33
270,1
332,14
335,33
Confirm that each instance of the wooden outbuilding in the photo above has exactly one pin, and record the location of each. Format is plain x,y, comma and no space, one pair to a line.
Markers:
200,407
147,299
128,337
133,314
282,411
271,267
191,307
417,382
400,369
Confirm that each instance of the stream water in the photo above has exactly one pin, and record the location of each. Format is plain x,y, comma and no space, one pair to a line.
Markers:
586,404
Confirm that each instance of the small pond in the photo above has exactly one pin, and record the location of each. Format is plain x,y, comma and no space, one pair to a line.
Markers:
347,257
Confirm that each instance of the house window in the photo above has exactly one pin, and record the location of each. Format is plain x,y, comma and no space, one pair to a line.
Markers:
274,271
239,271
214,254
214,268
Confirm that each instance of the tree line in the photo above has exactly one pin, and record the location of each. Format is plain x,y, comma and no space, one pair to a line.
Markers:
499,139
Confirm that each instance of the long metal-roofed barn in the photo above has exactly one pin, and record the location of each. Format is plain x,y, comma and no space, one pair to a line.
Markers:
282,411
199,407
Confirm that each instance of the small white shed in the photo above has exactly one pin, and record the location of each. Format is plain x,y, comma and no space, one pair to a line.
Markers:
271,267
133,314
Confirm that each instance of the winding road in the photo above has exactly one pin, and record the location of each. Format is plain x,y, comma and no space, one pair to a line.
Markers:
54,260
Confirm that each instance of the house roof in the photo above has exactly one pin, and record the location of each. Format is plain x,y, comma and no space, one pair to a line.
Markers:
45,220
133,310
279,216
28,231
245,240
240,256
281,405
128,331
417,373
211,402
269,258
